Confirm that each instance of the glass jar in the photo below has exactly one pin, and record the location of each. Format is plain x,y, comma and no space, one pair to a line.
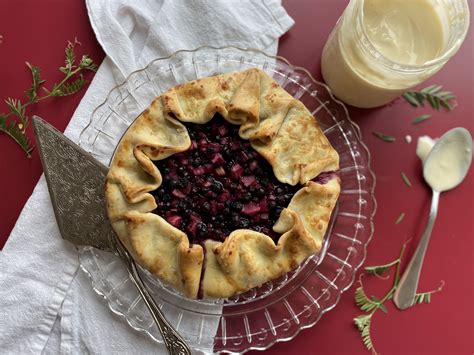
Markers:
362,76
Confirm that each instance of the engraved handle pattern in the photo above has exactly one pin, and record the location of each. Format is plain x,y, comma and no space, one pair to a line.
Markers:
175,344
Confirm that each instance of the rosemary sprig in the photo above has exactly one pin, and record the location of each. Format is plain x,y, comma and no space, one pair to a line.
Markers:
400,218
384,137
420,119
16,121
434,95
405,179
370,305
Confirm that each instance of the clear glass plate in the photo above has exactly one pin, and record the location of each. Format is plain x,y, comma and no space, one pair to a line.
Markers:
279,309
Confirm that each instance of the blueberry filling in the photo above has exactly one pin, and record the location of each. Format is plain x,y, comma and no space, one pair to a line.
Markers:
219,185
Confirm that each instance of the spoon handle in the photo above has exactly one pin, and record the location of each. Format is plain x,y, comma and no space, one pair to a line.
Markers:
404,296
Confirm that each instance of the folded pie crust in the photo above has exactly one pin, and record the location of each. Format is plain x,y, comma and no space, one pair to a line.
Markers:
280,128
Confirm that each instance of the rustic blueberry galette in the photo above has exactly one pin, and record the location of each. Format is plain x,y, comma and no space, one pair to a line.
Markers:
222,184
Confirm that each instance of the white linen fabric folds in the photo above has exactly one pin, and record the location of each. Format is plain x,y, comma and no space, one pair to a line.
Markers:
47,304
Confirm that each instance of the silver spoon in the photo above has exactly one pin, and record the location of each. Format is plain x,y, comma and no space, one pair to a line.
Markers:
451,153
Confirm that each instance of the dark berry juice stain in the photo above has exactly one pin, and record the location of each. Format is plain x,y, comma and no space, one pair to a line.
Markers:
219,185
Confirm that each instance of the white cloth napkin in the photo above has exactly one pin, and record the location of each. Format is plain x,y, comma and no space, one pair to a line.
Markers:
46,302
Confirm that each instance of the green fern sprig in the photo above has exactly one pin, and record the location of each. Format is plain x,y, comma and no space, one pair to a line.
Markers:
434,95
72,83
362,323
380,270
425,297
14,132
363,301
67,88
32,92
372,304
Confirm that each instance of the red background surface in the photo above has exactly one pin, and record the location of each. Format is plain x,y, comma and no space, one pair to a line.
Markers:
37,31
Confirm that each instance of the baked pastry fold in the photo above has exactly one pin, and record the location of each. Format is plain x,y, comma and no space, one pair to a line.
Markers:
279,127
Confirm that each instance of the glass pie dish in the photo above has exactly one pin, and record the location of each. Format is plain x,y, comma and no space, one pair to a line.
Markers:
279,309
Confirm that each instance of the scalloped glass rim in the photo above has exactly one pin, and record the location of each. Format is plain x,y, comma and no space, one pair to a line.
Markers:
280,309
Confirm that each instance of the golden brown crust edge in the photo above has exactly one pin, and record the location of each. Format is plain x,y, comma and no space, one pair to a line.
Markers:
272,120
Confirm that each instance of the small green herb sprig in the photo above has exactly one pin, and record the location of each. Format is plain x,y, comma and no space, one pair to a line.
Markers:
383,136
15,122
370,305
434,95
421,118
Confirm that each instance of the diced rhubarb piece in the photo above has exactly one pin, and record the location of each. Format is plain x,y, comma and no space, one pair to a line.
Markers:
184,161
187,189
207,184
202,143
263,205
226,140
253,165
226,182
251,209
178,193
214,208
200,170
195,218
171,212
216,147
223,196
235,145
220,171
244,156
248,180
174,220
193,222
209,168
217,159
236,171
193,145
172,175
222,130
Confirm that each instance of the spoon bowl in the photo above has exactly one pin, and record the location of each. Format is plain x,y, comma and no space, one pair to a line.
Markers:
449,160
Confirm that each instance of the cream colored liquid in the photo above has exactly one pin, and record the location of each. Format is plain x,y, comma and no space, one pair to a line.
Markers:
447,164
403,31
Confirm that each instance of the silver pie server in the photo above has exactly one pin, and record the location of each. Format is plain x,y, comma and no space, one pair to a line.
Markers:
76,184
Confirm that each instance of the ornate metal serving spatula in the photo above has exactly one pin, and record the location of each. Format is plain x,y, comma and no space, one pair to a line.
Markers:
76,183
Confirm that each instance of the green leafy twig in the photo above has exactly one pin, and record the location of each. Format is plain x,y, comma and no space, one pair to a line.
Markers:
384,137
13,130
370,305
434,95
421,118
31,93
71,83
